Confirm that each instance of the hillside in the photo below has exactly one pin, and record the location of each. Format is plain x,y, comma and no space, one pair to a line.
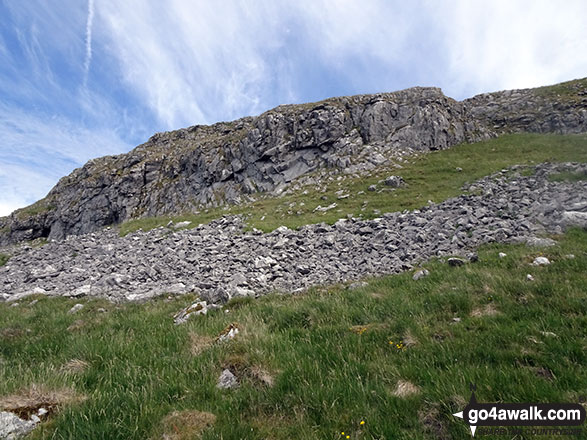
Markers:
355,297
390,358
492,191
199,167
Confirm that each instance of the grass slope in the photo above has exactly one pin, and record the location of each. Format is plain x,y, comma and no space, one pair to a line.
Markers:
432,176
315,365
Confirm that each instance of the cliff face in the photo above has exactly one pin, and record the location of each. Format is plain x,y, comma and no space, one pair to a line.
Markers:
200,166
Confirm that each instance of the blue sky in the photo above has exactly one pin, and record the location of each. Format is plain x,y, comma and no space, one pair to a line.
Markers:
86,78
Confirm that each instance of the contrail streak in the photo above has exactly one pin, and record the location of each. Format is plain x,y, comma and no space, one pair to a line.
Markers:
89,24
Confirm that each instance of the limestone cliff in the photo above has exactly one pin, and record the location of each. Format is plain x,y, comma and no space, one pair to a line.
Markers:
199,166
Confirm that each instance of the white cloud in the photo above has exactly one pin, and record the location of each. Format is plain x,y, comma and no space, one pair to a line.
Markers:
20,186
504,44
191,60
195,61
36,151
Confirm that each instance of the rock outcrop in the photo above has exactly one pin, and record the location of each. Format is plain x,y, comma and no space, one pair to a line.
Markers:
219,261
202,166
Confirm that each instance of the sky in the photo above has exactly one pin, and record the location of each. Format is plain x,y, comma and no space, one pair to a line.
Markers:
86,78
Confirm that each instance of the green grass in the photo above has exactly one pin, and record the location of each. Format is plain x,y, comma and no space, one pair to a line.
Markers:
431,176
566,90
40,207
568,177
4,259
328,351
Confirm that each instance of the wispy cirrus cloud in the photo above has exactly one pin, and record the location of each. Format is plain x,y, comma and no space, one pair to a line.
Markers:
195,61
79,80
50,121
36,151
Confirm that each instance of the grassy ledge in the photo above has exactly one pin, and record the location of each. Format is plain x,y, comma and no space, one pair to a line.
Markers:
432,176
396,354
4,259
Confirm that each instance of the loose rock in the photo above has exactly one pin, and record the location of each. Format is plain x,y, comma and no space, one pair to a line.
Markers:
227,380
421,274
541,261
222,259
76,308
540,242
394,181
13,427
197,308
455,262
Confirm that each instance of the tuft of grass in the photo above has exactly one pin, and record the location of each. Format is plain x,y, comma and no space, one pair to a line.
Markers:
432,176
306,367
185,425
4,259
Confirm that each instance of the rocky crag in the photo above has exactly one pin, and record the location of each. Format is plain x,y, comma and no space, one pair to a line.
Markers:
220,261
188,169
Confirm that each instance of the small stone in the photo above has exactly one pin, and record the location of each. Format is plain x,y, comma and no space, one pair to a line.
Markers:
80,291
197,308
570,256
325,208
420,274
242,291
228,333
372,188
541,261
455,262
304,270
76,308
529,277
227,380
394,181
358,285
502,255
182,225
459,169
456,319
